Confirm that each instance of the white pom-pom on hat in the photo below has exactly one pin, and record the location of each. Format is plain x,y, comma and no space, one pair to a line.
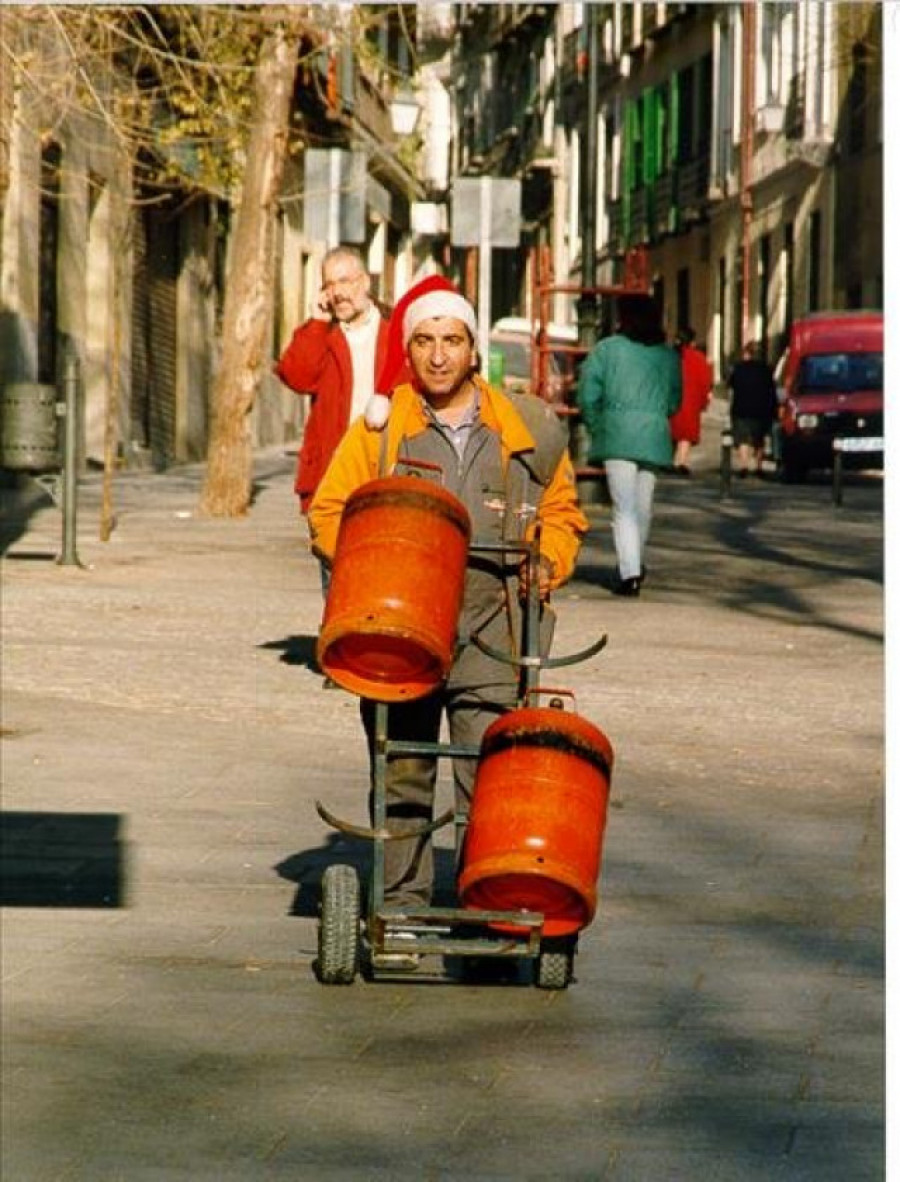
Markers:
378,407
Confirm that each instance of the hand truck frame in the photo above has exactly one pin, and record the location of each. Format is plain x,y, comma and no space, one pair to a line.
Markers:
396,939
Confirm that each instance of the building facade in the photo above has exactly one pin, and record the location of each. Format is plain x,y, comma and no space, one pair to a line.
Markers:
740,144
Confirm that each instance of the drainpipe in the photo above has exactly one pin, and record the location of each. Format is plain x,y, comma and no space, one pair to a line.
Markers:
748,102
587,305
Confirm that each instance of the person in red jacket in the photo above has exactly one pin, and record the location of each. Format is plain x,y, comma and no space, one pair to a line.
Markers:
333,358
346,359
696,389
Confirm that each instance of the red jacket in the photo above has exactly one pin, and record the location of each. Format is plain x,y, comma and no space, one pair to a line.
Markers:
696,388
317,362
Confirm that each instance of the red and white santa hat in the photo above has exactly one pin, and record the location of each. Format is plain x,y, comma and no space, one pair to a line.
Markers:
429,298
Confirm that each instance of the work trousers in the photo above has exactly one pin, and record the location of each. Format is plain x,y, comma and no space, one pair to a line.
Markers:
478,691
631,487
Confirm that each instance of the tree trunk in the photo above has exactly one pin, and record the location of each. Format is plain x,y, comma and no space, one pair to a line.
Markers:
250,284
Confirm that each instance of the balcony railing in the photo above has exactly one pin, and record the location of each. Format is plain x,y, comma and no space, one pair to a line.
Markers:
692,186
615,241
639,220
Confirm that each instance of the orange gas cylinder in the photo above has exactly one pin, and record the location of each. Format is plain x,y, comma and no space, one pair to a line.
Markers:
389,629
535,835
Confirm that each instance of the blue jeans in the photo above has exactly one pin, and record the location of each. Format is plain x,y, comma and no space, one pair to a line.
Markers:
631,489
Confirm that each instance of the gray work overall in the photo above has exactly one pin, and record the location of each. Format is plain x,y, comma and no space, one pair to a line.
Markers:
478,689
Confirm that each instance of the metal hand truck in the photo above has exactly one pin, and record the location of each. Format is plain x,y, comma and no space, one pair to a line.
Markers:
394,940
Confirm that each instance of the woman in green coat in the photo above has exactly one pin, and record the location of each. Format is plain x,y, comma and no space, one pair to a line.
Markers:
629,385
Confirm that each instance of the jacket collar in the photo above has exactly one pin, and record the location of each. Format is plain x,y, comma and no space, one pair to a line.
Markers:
497,413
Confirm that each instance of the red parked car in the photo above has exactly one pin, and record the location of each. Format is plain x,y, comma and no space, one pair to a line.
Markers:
832,387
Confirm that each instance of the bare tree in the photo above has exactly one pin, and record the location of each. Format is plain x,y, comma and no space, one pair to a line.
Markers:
248,300
198,98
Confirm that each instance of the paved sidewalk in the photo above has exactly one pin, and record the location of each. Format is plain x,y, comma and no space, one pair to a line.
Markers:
162,718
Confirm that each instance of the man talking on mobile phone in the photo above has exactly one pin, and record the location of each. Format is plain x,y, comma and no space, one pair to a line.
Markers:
333,358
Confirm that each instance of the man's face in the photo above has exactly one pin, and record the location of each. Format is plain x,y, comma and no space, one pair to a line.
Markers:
346,286
442,357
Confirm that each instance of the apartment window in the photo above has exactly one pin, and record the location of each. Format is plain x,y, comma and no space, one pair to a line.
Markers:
634,147
609,154
765,279
737,332
686,109
857,99
776,44
814,293
815,73
704,105
721,308
664,149
724,100
788,275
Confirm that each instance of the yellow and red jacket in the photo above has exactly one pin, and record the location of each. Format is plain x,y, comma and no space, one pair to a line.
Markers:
365,454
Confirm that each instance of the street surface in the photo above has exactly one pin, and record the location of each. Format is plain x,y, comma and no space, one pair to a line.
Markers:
165,736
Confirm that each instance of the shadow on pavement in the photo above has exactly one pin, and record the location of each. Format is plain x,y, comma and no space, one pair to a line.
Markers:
295,650
20,498
61,860
790,545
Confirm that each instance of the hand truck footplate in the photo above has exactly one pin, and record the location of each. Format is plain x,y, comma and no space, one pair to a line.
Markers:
427,930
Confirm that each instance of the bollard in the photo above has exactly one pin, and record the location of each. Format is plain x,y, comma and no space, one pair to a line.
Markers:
837,473
725,464
69,556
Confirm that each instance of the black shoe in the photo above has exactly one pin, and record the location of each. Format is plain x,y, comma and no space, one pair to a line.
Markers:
742,473
682,470
631,588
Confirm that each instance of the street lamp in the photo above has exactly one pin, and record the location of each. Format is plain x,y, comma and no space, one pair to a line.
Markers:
405,112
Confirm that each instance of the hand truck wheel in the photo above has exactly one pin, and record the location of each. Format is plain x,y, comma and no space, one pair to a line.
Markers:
339,919
556,963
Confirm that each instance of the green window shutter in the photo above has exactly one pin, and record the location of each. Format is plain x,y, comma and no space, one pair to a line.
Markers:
648,108
662,129
673,120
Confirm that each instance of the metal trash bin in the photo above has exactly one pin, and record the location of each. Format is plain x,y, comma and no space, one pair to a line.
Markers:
29,428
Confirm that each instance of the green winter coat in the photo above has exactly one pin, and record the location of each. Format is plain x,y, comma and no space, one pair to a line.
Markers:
626,392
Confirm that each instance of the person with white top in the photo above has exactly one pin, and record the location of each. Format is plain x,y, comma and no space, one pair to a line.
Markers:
333,359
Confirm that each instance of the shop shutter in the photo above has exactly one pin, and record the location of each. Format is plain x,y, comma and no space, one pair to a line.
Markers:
162,260
140,335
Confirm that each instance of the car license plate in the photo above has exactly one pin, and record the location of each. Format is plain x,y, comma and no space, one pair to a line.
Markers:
860,443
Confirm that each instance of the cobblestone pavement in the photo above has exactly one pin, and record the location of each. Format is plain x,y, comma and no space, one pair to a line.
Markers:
165,735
